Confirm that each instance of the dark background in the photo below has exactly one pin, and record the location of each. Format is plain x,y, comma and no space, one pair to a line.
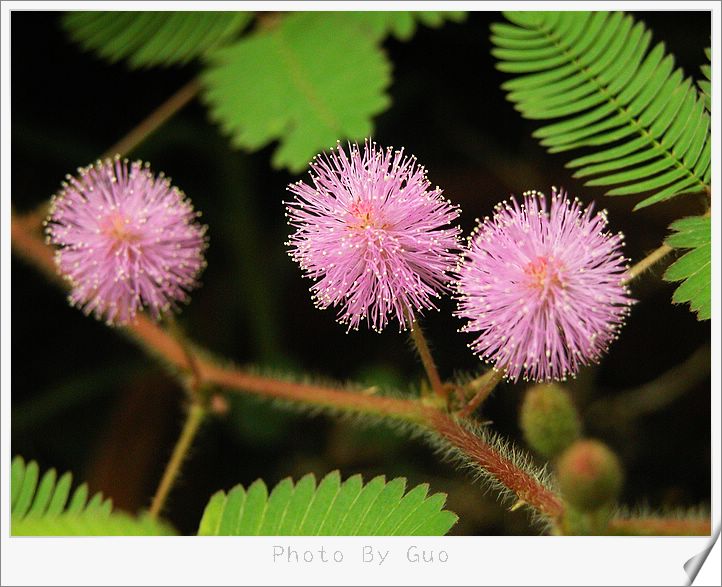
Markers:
88,400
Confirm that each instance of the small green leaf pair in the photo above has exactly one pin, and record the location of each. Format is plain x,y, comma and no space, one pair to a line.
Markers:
150,39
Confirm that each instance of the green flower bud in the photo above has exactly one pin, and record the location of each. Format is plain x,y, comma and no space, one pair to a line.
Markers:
549,420
594,523
590,475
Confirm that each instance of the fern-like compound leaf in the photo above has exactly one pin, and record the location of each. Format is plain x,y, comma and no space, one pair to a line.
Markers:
596,76
32,496
147,39
331,508
310,80
45,506
694,268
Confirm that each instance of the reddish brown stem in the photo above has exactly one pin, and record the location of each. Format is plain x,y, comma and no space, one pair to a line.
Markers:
525,486
157,340
660,527
31,248
486,385
149,334
196,379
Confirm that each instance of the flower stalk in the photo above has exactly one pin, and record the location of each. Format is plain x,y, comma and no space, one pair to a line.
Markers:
422,347
484,385
194,419
647,263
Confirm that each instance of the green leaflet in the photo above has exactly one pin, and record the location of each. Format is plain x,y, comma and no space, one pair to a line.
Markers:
401,24
68,524
694,268
32,496
598,77
46,507
333,508
706,84
162,38
322,79
147,39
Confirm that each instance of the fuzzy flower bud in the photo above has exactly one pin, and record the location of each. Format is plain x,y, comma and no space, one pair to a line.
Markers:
549,420
590,475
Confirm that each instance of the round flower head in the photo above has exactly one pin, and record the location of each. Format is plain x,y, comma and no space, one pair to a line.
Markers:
542,287
372,235
126,240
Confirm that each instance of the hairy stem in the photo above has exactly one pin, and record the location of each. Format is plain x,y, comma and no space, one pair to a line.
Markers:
647,263
411,411
196,381
31,248
484,386
196,414
422,347
527,488
655,256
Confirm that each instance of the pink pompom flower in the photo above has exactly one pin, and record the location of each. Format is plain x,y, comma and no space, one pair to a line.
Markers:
126,239
542,287
373,235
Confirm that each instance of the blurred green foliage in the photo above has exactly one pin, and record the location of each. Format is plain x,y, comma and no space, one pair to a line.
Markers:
148,39
305,79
